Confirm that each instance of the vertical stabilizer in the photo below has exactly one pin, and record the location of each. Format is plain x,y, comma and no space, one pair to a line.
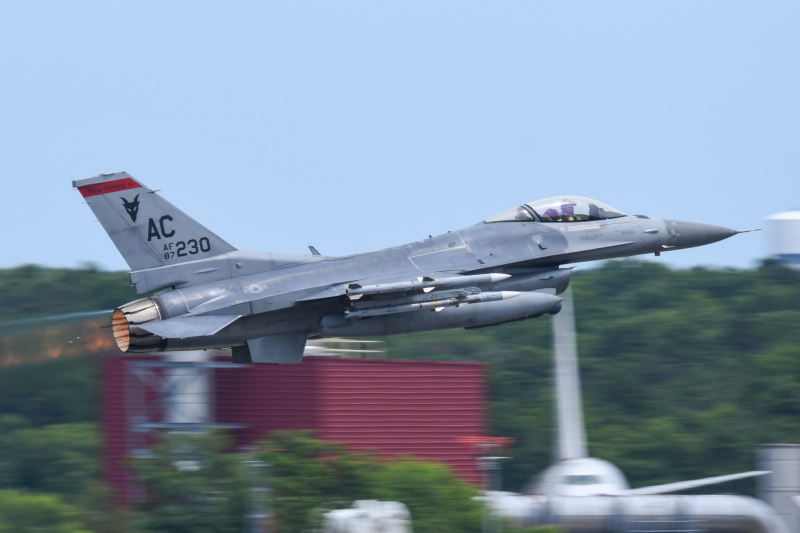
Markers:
571,435
147,230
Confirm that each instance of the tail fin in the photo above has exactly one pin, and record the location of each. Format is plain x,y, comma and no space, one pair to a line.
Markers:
147,230
571,435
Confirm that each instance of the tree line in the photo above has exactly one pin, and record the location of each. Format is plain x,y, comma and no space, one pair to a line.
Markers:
684,373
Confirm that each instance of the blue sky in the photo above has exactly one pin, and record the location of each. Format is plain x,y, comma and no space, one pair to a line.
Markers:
358,125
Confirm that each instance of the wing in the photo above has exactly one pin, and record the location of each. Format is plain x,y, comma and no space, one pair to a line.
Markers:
692,484
182,327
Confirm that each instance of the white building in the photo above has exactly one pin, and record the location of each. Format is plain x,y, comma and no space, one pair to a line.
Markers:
784,237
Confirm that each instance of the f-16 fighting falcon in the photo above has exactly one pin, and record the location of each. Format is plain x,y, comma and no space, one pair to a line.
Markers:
265,305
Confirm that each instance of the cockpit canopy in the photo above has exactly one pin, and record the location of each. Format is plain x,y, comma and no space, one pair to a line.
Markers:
558,209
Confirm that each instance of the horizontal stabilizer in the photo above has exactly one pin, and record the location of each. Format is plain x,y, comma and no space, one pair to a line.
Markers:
190,326
692,484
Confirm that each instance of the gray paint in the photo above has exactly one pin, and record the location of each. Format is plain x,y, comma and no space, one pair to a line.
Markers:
292,294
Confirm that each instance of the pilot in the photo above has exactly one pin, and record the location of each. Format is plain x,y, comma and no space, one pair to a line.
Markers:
551,215
568,211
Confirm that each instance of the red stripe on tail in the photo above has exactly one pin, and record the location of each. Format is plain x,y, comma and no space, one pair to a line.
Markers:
108,187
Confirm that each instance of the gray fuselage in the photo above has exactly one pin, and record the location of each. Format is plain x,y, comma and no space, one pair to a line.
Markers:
296,291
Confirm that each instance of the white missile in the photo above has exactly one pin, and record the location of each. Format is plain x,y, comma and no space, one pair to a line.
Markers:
425,284
436,305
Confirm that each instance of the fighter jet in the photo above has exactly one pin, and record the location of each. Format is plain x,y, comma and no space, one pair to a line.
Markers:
264,306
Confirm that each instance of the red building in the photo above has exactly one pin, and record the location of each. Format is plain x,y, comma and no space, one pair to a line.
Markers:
391,407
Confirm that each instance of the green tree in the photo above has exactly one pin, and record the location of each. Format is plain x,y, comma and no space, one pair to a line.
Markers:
59,458
437,500
191,485
23,512
684,372
706,360
33,291
307,472
102,514
54,392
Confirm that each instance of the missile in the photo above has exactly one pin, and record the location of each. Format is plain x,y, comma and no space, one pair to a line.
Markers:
436,305
526,305
426,284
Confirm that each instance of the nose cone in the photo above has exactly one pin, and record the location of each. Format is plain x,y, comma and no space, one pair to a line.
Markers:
688,234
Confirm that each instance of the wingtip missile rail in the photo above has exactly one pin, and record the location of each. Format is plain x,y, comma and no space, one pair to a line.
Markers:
425,284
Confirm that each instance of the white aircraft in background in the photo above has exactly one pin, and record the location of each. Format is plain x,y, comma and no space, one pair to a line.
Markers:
575,473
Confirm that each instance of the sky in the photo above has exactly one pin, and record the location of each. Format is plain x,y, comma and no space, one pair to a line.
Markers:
354,126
